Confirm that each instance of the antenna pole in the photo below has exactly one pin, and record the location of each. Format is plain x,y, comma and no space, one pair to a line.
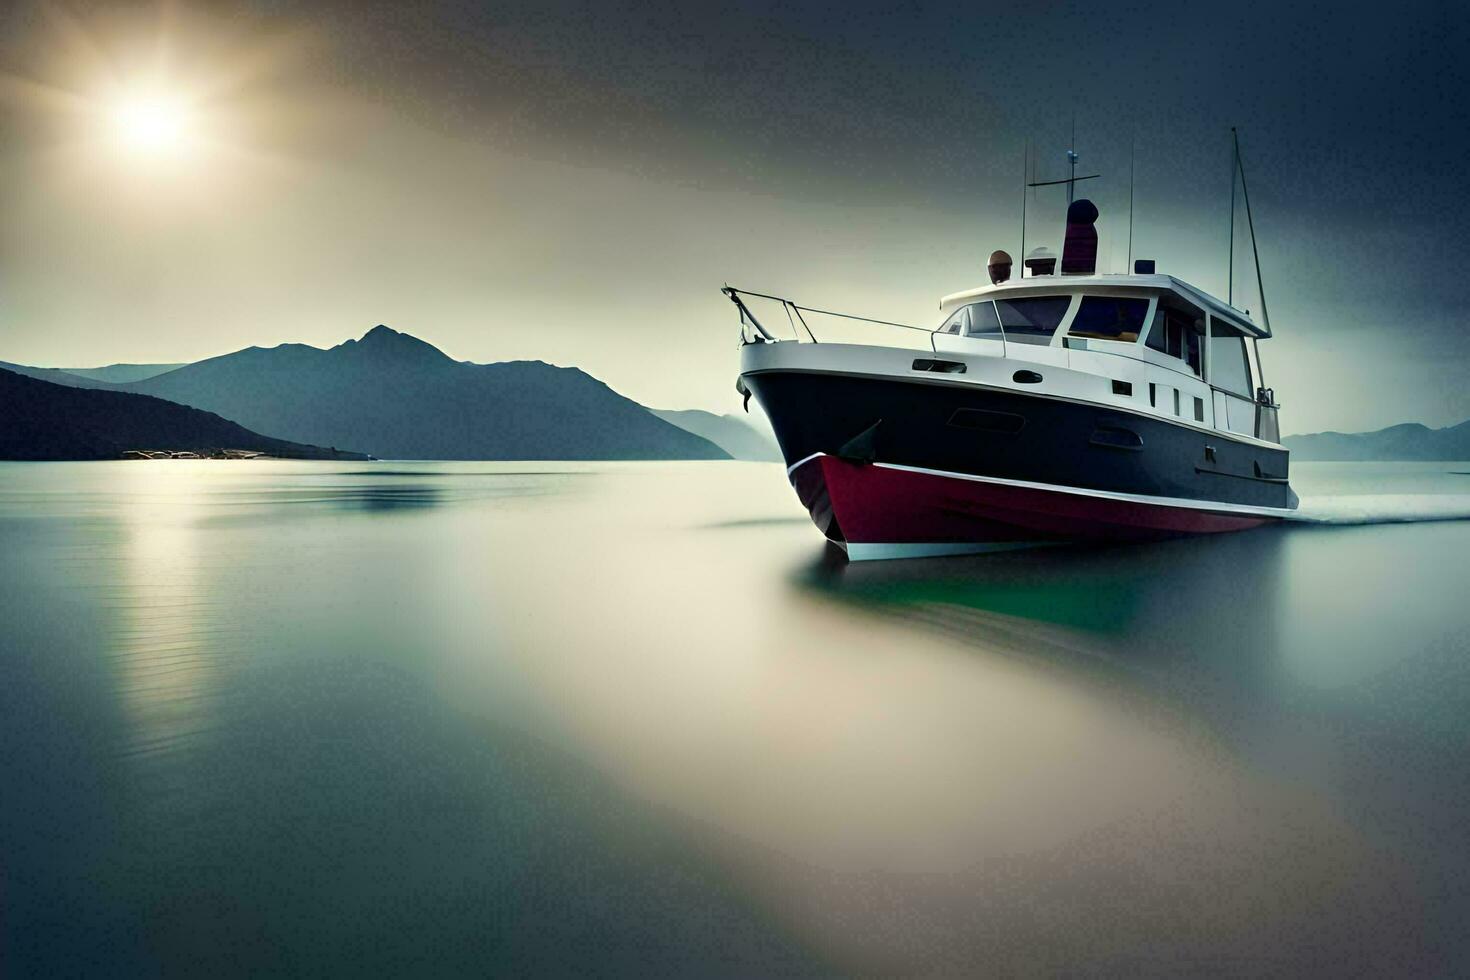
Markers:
1025,191
1251,224
1230,258
1132,141
1072,159
1255,252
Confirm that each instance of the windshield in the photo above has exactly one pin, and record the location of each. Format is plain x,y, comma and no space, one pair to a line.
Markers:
1032,319
1117,318
983,321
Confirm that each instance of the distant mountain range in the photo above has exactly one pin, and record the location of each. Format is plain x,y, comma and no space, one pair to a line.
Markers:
739,438
1409,441
42,420
122,373
397,397
56,376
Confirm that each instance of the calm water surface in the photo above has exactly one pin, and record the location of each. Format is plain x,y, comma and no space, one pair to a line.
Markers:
485,717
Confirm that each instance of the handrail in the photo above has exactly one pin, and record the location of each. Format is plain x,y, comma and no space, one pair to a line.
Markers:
745,315
791,306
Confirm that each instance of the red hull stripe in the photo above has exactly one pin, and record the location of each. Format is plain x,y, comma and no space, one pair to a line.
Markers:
881,503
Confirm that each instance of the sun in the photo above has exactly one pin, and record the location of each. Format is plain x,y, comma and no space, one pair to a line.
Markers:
151,124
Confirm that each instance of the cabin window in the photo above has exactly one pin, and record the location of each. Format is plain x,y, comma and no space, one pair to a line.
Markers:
1229,368
1199,409
957,321
1158,333
1117,318
1032,319
983,320
1176,332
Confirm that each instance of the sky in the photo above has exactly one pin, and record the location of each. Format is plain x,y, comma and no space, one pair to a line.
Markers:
574,181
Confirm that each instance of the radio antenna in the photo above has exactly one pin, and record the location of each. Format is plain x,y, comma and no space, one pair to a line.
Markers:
1230,254
1025,192
1132,141
1072,159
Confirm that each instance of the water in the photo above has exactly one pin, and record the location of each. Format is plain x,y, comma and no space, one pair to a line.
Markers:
474,717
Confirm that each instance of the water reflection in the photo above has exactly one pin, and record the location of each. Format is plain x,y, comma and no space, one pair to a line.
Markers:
1197,628
761,522
442,472
380,497
1237,628
1296,647
1137,603
172,628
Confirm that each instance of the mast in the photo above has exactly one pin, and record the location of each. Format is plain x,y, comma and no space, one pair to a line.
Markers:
1230,256
1255,251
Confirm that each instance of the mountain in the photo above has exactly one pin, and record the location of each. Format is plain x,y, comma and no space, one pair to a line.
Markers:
50,421
56,376
121,373
1409,441
398,397
734,435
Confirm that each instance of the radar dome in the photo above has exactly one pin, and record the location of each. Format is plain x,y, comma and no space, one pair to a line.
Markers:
999,266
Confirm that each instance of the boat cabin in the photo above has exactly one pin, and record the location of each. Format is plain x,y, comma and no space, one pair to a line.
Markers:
1168,348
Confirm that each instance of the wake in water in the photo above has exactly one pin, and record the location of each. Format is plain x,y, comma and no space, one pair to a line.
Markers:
1383,509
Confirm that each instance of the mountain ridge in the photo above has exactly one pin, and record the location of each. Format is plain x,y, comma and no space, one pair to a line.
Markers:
741,439
400,397
1404,442
47,421
122,373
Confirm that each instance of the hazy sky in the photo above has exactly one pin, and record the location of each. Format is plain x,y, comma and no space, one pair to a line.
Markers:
574,181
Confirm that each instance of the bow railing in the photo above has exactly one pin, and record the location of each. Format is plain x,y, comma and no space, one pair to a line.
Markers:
799,320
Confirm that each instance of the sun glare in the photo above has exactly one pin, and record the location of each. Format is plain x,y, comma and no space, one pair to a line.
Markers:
152,125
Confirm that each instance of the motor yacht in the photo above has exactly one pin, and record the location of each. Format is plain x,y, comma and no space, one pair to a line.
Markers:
1062,405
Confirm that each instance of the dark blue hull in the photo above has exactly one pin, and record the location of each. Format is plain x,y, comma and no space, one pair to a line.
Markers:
974,431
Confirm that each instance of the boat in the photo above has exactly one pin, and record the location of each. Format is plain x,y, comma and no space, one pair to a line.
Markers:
1063,405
